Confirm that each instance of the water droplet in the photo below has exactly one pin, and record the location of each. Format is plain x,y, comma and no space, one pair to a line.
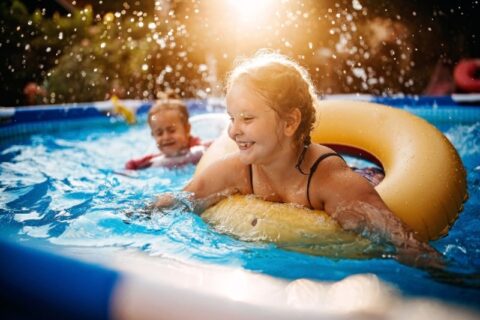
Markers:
357,5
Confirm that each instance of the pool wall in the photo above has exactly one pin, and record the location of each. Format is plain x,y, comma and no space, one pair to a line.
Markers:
39,284
31,119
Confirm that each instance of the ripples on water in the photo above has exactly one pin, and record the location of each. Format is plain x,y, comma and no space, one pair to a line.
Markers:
70,189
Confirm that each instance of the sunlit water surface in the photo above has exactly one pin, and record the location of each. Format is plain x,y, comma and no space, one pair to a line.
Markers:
68,188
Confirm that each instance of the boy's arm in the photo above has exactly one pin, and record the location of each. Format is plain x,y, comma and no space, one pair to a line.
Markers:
141,163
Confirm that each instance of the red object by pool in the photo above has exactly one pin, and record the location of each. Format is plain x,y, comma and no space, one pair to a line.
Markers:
467,75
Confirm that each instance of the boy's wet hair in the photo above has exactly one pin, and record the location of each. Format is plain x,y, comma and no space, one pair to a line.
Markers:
283,84
169,101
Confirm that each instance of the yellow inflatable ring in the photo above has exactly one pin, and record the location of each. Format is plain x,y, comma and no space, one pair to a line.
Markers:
424,184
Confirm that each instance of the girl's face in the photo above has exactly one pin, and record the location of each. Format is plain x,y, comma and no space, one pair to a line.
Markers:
255,127
170,132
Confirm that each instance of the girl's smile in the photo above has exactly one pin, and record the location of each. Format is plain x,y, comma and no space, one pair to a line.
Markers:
255,126
244,145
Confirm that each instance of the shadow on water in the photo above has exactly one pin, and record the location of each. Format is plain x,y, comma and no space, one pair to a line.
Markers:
455,278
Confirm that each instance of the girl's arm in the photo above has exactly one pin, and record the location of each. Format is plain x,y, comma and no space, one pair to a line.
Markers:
213,184
356,206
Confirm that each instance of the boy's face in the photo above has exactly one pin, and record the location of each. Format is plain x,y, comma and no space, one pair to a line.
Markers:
170,132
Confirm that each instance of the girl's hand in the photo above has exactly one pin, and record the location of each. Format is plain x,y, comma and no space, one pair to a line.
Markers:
164,200
204,203
421,255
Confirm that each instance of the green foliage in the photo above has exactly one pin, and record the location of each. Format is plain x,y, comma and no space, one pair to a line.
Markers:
30,45
101,64
77,77
123,57
87,56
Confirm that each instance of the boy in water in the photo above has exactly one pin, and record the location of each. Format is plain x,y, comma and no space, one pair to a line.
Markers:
170,128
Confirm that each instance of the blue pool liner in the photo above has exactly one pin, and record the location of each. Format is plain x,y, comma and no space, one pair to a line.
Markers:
36,284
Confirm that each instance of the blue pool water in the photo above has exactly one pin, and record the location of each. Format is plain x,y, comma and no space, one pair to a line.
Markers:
68,188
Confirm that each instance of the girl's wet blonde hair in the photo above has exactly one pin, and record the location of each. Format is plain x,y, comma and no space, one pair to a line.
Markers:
283,84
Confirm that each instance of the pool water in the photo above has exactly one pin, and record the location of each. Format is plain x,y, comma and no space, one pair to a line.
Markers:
68,188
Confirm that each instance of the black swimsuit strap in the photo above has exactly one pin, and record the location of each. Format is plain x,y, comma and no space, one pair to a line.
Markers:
250,171
313,168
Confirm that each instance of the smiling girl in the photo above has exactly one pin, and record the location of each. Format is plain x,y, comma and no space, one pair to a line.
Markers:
271,103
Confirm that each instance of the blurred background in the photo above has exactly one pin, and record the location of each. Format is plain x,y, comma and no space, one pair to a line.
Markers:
78,51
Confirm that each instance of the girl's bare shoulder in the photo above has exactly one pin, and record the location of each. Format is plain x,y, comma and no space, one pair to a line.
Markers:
327,164
226,172
228,163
